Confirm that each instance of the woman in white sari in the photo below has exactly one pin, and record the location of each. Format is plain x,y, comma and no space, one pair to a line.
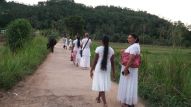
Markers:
76,50
86,44
128,84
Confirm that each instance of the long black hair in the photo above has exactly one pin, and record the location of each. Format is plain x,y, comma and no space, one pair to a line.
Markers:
135,37
105,41
78,41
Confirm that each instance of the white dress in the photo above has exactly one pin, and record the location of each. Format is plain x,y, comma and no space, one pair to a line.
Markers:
77,52
85,60
70,43
66,42
128,85
102,79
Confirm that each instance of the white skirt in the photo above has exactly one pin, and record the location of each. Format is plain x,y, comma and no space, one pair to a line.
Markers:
128,87
77,56
85,61
101,79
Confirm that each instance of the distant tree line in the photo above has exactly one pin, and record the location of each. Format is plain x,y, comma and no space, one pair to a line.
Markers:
102,20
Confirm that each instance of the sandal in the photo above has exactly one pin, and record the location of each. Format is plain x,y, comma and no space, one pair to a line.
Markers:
98,100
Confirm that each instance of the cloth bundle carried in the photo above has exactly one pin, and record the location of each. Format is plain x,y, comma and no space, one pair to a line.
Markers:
125,58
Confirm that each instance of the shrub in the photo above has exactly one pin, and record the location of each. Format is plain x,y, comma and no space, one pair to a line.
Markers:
18,32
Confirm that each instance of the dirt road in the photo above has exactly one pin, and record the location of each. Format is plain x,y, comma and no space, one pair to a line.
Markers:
57,83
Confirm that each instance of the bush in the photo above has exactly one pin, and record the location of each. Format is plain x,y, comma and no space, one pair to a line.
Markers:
18,32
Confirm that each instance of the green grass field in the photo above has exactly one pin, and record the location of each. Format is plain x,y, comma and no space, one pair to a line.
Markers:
164,76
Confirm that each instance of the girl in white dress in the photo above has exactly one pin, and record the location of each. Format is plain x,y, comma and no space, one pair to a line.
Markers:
65,43
103,64
76,50
70,44
85,59
128,84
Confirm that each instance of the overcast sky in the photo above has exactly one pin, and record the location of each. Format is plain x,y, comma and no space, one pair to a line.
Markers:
169,9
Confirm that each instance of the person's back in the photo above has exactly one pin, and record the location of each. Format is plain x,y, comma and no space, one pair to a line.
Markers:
52,42
86,53
64,39
76,47
84,41
70,43
101,69
76,51
100,51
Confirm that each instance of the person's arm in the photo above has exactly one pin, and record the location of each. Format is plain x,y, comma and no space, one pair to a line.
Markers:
113,67
94,64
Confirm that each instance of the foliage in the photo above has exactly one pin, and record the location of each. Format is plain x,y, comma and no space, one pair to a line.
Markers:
114,21
18,32
1,1
165,79
15,67
74,25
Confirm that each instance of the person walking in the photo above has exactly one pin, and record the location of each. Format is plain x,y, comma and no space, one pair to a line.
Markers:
85,52
51,43
103,64
128,83
76,50
65,40
70,43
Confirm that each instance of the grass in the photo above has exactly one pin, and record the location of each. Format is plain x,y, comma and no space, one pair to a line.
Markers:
14,67
164,76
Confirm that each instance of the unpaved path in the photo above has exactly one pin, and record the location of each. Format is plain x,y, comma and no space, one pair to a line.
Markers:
57,83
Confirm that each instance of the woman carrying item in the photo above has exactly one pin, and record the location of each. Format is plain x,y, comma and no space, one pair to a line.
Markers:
128,84
85,52
76,51
103,64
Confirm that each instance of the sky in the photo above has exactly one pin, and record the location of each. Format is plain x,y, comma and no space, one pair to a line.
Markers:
172,10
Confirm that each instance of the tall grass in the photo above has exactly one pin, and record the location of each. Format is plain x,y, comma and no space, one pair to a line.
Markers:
165,81
164,76
14,67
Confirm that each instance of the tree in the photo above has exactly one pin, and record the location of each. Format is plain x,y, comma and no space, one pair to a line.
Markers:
178,32
100,20
74,25
2,1
62,0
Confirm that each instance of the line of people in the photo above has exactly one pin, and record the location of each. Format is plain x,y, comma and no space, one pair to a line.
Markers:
80,50
67,43
103,68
